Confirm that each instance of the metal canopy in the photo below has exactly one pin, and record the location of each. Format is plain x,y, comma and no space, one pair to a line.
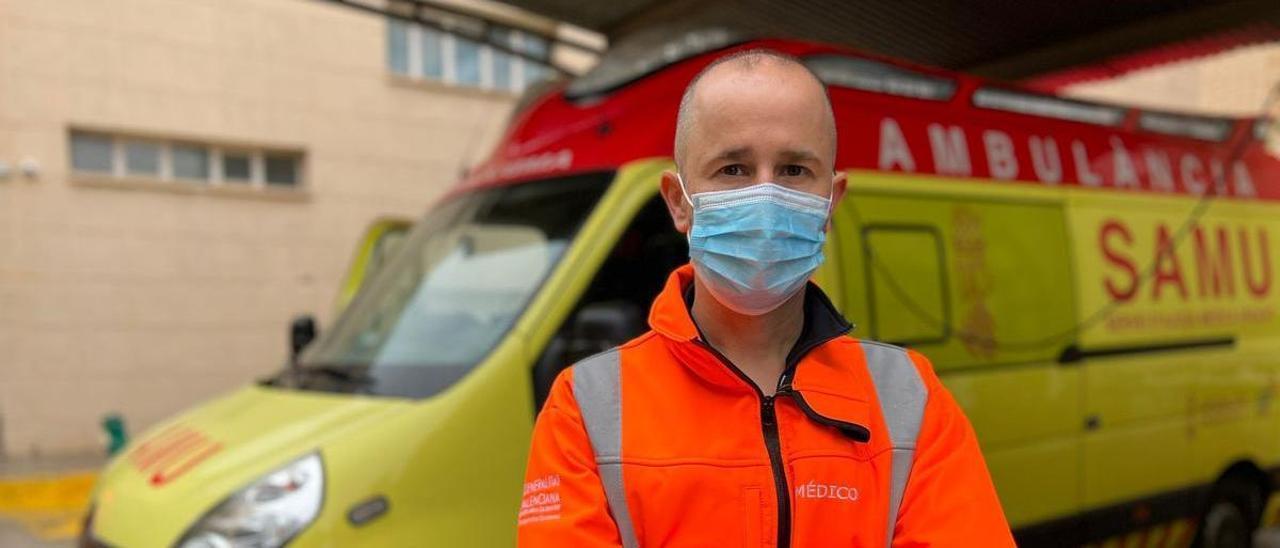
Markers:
1005,39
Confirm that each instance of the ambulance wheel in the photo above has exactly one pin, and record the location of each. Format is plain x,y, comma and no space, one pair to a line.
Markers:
1231,517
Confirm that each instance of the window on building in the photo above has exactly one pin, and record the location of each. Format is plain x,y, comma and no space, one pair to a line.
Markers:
425,53
536,46
190,162
183,162
502,61
142,158
466,62
237,167
282,169
398,46
90,152
432,54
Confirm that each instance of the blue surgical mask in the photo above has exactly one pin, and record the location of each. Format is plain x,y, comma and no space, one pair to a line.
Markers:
757,246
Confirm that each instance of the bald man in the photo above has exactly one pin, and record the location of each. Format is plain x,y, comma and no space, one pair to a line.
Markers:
746,416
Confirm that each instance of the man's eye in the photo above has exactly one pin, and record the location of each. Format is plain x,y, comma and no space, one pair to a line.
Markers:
794,171
735,170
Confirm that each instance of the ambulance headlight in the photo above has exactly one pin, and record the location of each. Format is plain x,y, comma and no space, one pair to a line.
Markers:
267,513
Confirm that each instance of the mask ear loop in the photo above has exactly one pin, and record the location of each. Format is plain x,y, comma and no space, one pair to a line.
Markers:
683,191
831,196
688,234
831,199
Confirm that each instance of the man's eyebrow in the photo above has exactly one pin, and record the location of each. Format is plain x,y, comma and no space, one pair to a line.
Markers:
736,154
799,156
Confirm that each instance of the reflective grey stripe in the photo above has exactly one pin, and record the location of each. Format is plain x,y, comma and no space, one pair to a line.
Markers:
902,398
597,385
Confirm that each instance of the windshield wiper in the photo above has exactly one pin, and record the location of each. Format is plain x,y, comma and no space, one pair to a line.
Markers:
342,373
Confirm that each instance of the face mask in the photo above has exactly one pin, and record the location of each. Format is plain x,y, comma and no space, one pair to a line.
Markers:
755,247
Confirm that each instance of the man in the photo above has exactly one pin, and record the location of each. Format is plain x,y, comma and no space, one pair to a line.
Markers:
746,416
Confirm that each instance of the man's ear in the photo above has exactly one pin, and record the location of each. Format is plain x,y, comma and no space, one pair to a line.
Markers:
680,210
839,184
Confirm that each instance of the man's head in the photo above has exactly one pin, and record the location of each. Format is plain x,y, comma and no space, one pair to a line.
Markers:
753,117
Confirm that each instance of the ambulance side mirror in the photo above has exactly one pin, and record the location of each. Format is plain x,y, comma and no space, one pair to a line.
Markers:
301,332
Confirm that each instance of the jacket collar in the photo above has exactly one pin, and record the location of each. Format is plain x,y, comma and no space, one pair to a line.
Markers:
671,318
669,315
827,389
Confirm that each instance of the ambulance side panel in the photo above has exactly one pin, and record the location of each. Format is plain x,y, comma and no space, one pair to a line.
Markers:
981,283
1182,373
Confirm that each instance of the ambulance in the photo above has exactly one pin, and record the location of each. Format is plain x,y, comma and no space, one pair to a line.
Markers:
1097,285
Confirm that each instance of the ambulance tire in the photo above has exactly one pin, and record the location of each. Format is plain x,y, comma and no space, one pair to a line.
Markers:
1232,516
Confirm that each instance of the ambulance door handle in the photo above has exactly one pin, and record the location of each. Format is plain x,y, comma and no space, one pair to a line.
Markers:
1092,421
1071,355
368,510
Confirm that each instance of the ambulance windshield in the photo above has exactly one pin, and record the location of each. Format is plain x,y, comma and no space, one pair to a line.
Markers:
457,284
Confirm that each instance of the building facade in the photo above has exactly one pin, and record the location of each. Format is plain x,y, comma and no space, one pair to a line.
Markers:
179,179
1232,83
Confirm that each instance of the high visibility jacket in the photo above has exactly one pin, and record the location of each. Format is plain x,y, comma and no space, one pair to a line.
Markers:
663,442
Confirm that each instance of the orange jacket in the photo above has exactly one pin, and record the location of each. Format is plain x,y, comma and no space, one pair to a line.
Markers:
663,442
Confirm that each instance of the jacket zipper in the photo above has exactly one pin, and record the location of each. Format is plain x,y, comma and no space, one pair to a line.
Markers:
769,423
772,444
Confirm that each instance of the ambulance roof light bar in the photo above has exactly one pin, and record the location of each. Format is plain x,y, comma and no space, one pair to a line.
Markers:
877,77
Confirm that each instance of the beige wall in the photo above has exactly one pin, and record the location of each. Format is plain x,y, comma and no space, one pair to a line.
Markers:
143,301
1232,83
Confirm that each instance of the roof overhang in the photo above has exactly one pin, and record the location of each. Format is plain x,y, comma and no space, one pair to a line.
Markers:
1002,40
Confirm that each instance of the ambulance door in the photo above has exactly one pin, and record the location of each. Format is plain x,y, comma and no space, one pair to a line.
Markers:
1141,361
981,287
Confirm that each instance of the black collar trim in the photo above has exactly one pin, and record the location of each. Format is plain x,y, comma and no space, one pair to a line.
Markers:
822,322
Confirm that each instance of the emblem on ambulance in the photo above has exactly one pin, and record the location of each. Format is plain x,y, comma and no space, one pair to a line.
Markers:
172,453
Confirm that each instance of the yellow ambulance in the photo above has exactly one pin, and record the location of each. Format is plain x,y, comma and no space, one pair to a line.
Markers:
1098,286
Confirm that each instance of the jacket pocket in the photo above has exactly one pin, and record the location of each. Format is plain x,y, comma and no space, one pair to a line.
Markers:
752,517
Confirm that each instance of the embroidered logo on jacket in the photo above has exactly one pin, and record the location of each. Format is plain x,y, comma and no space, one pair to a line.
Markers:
541,500
828,491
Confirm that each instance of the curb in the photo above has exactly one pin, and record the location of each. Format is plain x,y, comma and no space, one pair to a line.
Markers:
49,506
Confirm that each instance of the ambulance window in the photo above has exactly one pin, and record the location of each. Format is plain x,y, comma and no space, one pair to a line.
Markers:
874,76
453,288
907,293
